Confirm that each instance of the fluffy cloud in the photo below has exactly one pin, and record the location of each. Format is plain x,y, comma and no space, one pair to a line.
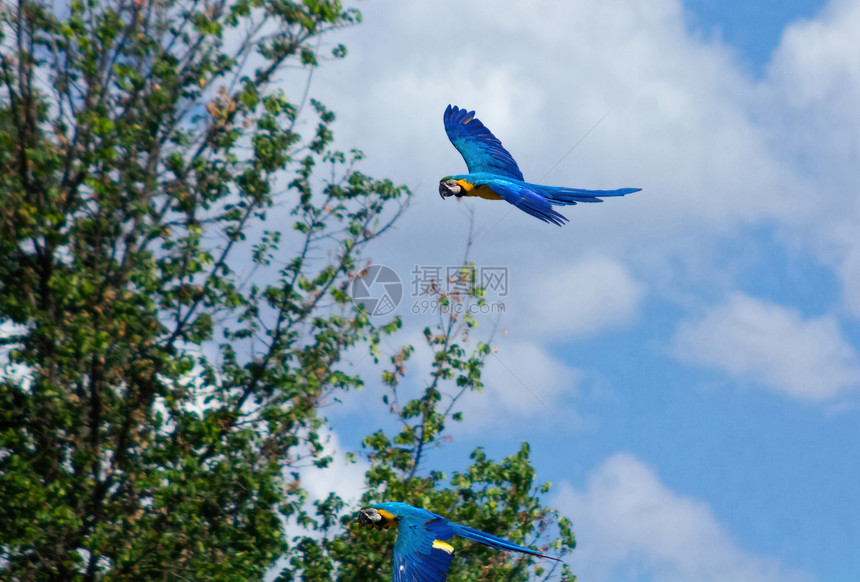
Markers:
713,148
812,91
675,115
584,297
521,381
822,53
676,109
522,376
763,342
629,525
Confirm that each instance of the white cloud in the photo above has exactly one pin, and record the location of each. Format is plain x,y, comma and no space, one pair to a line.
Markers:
344,478
822,52
521,375
590,295
753,340
521,381
812,91
681,121
713,148
629,525
677,111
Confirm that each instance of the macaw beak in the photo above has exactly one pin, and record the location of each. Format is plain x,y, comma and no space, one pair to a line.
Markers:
449,188
369,517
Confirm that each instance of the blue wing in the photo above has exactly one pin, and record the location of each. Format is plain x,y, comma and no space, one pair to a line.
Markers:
527,200
418,554
482,151
496,542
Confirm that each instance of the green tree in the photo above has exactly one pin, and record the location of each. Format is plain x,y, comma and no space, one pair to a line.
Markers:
153,398
165,357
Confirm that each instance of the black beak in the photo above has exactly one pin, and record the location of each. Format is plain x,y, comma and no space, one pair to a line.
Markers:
448,188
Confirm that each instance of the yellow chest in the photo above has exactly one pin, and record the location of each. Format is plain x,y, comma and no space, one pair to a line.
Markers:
481,191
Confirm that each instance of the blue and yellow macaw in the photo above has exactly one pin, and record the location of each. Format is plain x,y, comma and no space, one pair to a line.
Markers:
494,175
420,554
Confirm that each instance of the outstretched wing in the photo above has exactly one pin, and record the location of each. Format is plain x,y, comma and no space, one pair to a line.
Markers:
528,201
482,150
420,555
496,542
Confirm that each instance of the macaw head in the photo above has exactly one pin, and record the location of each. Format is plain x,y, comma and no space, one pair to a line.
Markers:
449,187
377,516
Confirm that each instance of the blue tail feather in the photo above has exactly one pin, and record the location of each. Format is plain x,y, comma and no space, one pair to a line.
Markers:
565,196
494,541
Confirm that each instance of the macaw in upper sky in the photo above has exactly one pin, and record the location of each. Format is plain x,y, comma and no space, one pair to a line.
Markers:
420,555
493,173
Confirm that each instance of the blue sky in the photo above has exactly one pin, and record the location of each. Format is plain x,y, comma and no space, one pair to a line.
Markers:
702,337
752,29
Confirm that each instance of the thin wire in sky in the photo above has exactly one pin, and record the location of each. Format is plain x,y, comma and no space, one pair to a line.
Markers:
573,147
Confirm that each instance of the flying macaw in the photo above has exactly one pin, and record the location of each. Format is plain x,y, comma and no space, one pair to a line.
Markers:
420,555
494,175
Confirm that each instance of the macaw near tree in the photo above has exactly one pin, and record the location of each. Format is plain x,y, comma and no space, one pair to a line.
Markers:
494,175
420,554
